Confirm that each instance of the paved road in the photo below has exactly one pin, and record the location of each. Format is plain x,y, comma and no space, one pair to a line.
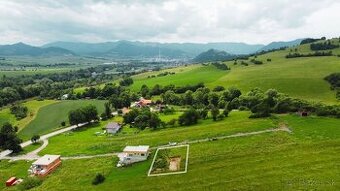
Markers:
5,153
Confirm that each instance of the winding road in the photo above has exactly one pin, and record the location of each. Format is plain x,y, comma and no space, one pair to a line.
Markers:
5,153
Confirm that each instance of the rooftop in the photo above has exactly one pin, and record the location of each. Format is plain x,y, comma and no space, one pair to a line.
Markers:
46,159
140,148
113,125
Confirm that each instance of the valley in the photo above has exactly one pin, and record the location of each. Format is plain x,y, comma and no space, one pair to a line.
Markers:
266,126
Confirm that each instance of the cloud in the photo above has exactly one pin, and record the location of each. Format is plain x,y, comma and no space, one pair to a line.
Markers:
253,21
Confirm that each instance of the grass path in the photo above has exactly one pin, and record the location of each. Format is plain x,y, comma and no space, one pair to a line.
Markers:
33,155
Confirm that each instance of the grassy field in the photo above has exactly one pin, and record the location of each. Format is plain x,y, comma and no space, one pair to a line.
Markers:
86,142
49,117
298,77
22,65
307,159
184,76
33,108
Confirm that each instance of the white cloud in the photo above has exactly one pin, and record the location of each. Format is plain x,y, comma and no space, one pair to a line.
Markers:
251,21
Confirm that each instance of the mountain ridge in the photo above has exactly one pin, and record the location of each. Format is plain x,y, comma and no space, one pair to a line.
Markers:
22,49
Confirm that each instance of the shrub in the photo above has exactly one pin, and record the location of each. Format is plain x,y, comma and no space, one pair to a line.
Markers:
19,111
220,117
35,138
98,179
103,116
168,110
189,117
244,63
258,62
119,112
30,183
63,123
172,122
218,88
226,111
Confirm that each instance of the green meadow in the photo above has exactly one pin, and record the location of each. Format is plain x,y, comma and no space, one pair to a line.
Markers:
303,160
183,76
50,117
297,77
85,142
33,107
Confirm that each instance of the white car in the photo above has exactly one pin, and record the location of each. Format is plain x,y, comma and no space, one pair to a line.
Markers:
172,143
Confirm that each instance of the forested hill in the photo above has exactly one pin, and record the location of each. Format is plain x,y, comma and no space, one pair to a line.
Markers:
214,55
21,49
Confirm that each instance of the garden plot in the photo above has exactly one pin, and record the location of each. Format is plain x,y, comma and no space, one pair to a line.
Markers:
170,160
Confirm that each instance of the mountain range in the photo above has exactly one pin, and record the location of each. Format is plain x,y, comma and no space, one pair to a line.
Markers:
137,49
21,49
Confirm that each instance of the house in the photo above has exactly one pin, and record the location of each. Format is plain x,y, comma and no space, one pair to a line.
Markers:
45,165
143,102
113,128
132,154
125,110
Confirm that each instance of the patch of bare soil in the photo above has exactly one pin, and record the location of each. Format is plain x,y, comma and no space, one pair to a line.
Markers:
174,163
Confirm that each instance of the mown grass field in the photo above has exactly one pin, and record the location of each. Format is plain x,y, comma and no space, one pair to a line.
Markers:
86,142
307,159
50,117
297,77
33,107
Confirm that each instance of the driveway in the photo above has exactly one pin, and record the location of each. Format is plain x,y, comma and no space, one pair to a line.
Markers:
5,153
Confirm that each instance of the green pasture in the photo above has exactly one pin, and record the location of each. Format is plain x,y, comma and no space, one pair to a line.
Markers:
306,159
85,142
50,117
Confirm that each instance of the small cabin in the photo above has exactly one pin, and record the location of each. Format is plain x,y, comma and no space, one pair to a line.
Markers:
113,128
132,154
45,165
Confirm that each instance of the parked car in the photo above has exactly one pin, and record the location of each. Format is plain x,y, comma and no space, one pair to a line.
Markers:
172,143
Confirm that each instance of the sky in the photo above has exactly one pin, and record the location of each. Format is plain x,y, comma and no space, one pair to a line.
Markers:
38,22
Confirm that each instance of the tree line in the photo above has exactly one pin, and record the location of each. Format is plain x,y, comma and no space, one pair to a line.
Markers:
334,81
50,86
323,46
318,53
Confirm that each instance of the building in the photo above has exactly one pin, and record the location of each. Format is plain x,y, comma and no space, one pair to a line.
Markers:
113,128
132,154
125,110
143,102
45,165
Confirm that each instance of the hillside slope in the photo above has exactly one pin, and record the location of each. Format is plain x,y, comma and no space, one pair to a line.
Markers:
280,44
301,77
213,55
